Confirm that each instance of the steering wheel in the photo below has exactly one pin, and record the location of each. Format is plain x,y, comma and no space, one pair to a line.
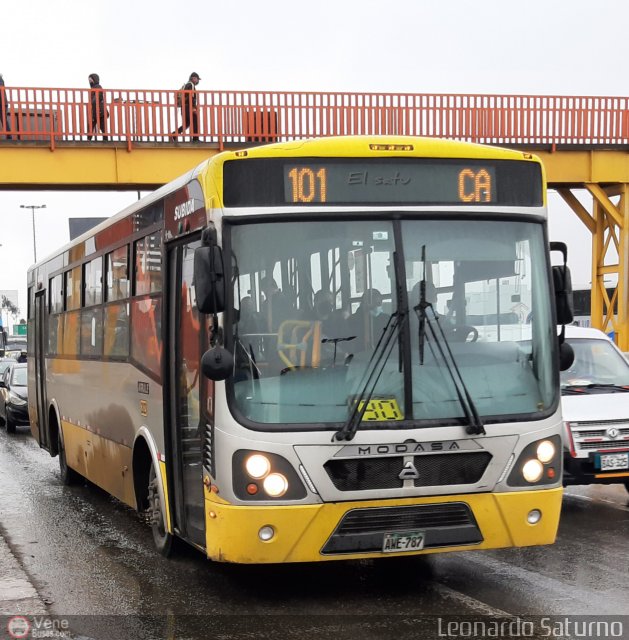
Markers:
464,333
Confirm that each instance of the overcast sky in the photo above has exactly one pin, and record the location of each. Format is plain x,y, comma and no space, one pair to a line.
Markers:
549,47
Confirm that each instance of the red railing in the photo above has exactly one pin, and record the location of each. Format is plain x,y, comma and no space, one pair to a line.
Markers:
56,116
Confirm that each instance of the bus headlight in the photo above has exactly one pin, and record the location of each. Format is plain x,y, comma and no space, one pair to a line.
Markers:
257,466
275,484
532,471
545,451
262,476
539,463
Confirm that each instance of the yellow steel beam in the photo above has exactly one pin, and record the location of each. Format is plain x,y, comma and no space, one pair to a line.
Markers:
600,166
609,225
609,207
74,166
581,212
96,167
622,290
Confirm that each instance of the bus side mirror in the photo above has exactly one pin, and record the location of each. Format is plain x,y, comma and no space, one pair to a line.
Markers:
566,356
209,279
217,363
562,282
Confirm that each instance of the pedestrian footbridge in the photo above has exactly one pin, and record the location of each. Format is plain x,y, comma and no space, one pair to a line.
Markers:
583,141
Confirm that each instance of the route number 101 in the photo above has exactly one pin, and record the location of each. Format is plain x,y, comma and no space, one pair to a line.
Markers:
308,185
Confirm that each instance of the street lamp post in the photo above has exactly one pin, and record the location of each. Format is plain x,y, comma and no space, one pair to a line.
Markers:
32,207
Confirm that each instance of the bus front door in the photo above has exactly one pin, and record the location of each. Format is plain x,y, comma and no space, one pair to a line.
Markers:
40,371
188,401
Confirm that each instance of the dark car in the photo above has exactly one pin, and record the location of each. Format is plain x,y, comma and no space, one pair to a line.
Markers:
15,347
14,397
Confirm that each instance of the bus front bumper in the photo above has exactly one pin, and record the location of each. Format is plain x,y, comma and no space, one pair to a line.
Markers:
308,533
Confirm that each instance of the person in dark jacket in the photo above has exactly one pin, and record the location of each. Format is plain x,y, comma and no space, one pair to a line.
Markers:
187,103
98,113
4,109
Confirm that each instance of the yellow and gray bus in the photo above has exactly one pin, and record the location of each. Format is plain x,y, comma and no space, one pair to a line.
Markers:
271,356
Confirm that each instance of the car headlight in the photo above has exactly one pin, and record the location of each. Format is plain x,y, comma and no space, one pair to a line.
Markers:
16,400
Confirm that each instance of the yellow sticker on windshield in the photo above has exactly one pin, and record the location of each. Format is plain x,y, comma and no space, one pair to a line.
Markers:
381,410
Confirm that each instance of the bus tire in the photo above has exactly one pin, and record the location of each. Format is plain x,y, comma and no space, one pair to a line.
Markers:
156,517
68,476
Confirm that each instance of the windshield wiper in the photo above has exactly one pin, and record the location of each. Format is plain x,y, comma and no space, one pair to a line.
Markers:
370,378
474,422
599,385
253,367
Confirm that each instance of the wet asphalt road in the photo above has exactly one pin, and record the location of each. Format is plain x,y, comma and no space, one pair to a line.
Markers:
90,556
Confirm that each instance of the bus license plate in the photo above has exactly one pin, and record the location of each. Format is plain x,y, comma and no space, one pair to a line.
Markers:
397,541
614,461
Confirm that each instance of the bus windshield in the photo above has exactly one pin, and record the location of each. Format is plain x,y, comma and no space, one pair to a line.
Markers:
312,299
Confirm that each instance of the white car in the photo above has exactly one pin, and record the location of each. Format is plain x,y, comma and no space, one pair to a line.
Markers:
595,404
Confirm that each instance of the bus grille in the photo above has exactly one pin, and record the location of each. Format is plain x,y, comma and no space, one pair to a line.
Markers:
435,470
362,530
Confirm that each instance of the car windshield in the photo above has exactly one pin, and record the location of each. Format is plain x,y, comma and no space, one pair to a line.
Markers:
596,361
312,300
18,378
4,365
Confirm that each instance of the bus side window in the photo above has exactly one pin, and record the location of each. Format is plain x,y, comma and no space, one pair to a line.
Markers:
148,265
146,314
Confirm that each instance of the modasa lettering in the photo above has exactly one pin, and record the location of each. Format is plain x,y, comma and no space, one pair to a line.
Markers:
415,447
185,209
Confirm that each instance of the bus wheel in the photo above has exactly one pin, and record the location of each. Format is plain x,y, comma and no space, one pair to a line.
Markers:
156,518
68,476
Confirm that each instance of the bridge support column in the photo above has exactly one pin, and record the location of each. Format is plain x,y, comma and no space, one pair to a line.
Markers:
609,225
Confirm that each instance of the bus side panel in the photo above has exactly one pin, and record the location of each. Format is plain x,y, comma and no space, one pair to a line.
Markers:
106,463
102,406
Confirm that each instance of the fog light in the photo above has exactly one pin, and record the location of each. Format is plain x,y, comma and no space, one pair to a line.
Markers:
545,451
534,516
257,465
276,485
532,470
266,533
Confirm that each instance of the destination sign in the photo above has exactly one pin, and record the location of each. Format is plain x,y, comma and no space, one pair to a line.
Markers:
406,181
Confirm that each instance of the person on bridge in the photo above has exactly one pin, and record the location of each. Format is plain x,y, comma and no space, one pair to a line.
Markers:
4,109
187,103
97,110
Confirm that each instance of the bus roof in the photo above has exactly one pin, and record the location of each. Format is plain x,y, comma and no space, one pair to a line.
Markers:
368,146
